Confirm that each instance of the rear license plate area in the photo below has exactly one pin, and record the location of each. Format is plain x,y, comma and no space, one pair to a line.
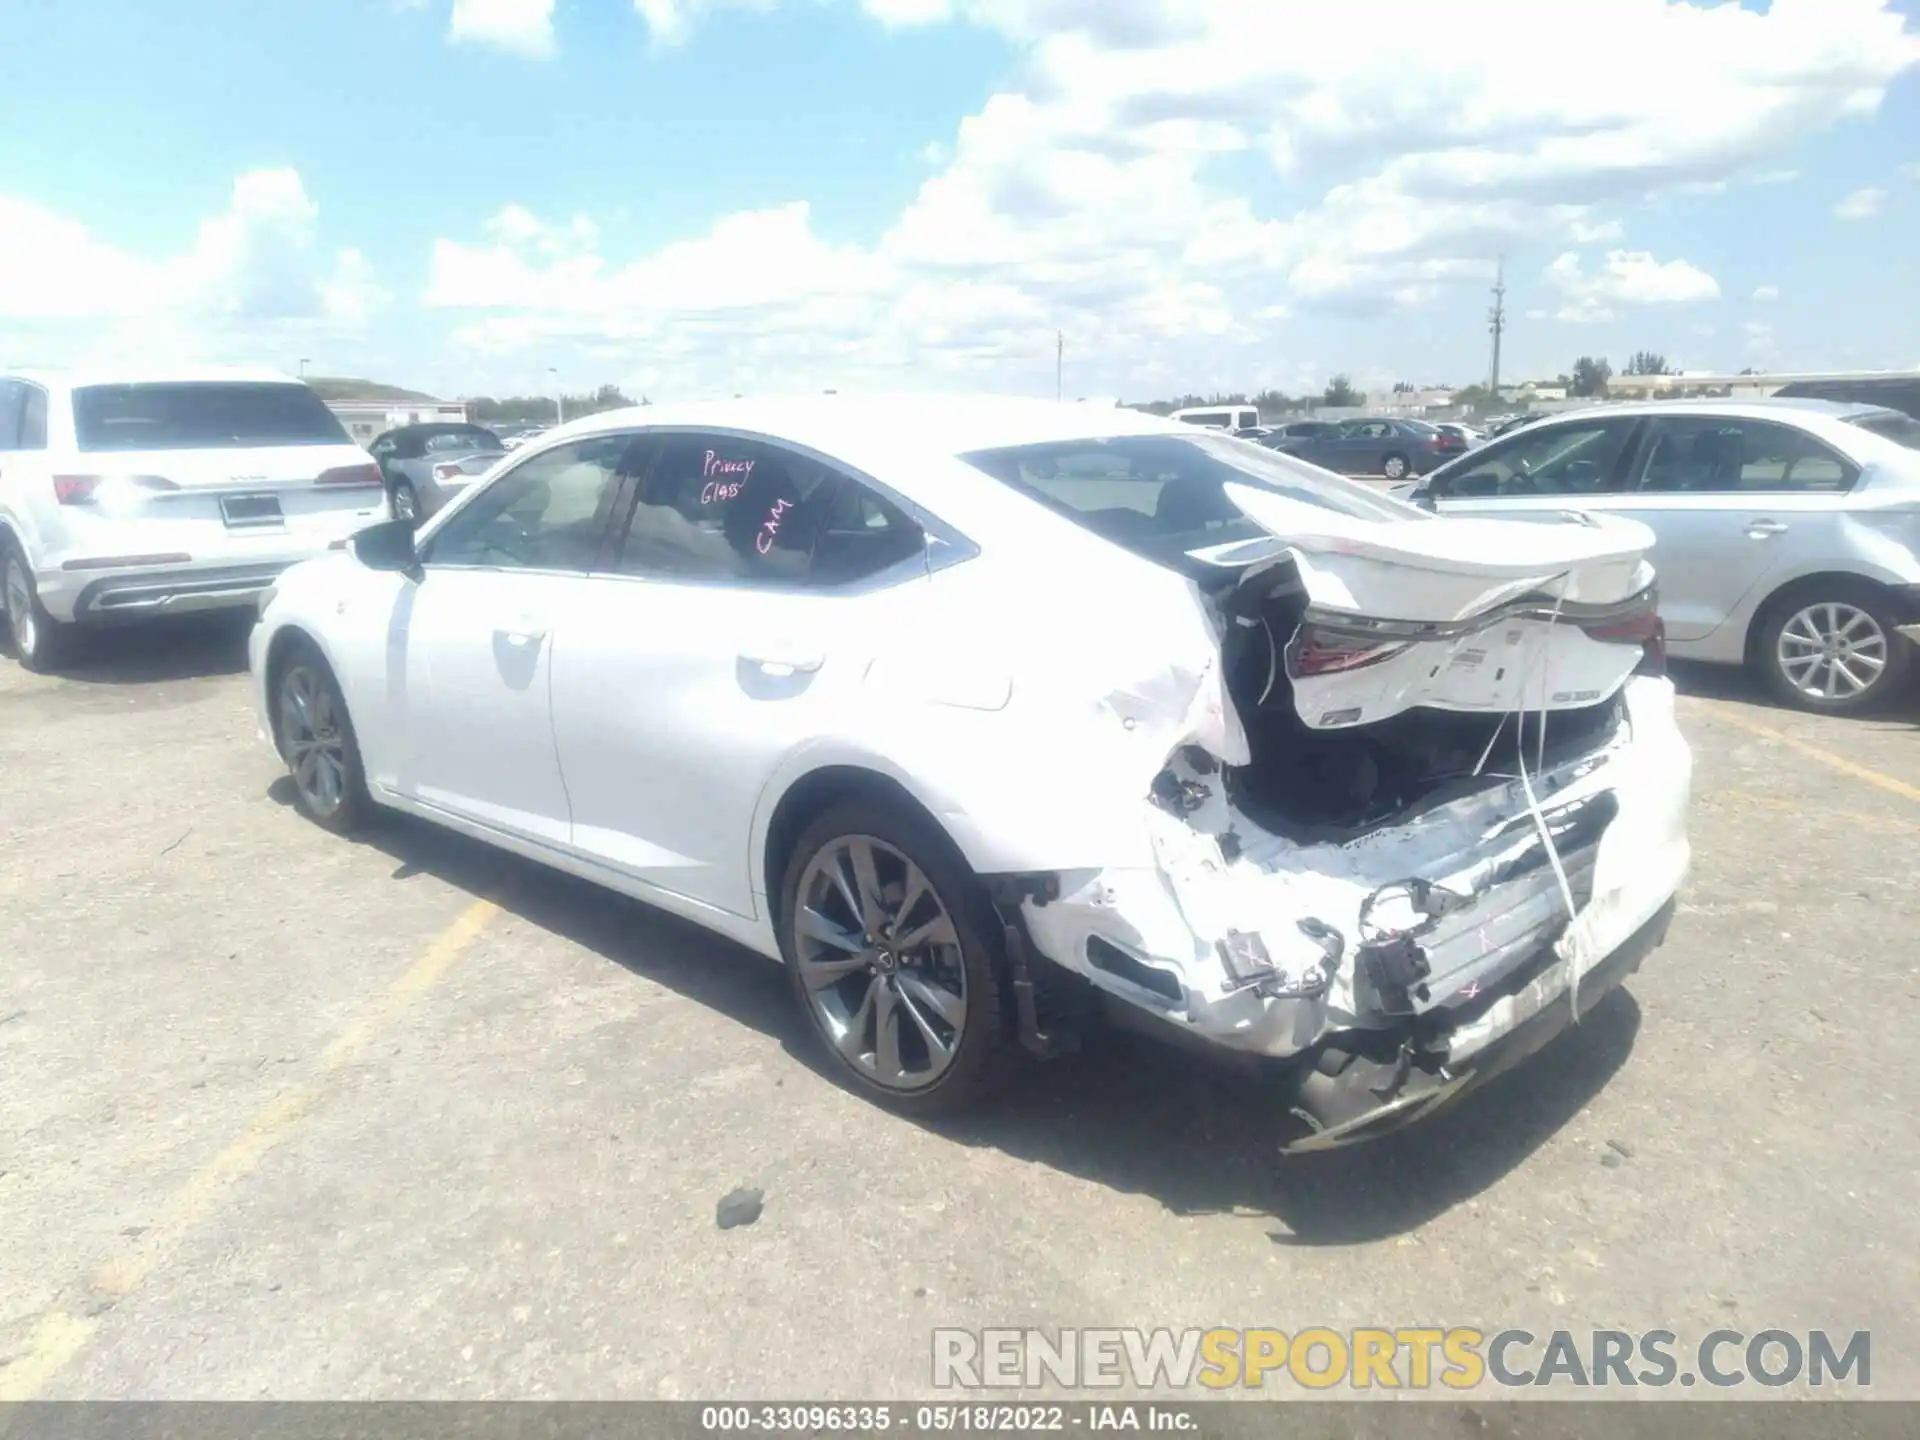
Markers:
245,512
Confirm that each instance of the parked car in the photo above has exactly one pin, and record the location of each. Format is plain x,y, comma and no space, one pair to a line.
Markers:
427,465
805,673
1891,392
128,494
512,437
1787,529
1220,417
1393,448
1279,436
1501,424
1456,439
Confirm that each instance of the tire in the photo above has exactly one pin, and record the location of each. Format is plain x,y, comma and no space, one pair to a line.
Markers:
1395,467
1798,625
40,643
406,502
919,993
318,743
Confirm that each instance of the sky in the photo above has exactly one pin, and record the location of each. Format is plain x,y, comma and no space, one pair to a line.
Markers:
699,197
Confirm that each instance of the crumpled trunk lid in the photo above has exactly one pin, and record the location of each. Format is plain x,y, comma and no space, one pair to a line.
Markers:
1368,618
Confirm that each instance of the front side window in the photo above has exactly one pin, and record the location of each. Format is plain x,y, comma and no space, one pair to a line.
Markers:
548,514
1710,454
11,394
714,508
1573,459
1161,496
202,415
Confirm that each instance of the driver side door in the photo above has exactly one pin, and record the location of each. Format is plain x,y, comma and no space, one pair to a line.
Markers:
470,646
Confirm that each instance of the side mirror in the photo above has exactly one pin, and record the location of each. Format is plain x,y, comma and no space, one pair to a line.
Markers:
388,546
1420,495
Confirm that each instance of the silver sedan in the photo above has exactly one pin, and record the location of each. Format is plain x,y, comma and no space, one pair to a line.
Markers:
1788,530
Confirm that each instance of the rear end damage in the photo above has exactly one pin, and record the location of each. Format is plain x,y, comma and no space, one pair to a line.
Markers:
1435,844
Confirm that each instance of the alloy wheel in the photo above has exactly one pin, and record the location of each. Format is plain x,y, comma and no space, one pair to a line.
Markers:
880,961
406,505
26,632
1394,468
314,739
1832,651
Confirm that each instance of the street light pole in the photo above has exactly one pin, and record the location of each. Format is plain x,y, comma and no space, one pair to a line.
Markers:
304,362
559,400
1059,364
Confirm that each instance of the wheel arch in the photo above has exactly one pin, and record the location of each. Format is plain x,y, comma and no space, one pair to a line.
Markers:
288,638
812,792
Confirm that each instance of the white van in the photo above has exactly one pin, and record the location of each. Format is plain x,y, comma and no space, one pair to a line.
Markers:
124,495
1221,417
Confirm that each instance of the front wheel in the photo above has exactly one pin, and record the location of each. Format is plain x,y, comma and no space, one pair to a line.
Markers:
1833,650
890,948
40,642
317,741
1395,467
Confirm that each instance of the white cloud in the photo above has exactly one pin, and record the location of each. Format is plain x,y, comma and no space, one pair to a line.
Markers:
1625,277
1910,171
672,21
1091,194
1766,293
1861,204
1760,339
255,273
524,27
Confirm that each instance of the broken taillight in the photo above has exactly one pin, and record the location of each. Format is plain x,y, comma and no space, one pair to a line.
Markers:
1318,652
1644,628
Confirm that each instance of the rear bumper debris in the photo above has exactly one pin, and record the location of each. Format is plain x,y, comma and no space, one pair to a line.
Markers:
1363,1098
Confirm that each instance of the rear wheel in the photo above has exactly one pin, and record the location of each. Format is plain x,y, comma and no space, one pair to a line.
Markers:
1395,467
890,948
317,741
1832,648
40,642
406,501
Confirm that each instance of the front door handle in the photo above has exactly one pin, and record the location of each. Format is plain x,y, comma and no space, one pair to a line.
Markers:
1764,529
786,663
523,634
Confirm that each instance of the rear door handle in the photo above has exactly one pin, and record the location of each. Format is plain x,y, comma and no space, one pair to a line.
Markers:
1765,529
786,663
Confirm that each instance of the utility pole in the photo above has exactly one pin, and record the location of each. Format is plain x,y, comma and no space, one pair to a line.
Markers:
303,367
1497,322
559,401
1059,364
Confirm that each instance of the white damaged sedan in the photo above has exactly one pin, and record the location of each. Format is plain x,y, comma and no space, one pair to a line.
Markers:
995,718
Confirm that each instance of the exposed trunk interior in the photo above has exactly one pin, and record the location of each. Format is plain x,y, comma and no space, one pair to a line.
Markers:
1314,785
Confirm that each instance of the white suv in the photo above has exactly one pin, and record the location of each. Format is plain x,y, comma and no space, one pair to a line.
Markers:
124,496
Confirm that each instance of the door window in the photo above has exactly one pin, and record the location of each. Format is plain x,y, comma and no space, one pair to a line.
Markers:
1711,454
1573,459
547,514
714,508
33,418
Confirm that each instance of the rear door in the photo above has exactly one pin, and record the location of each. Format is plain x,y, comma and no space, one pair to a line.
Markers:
1731,500
471,646
752,589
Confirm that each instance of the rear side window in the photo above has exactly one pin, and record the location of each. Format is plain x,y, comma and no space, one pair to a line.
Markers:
202,415
1572,459
720,509
12,392
1706,454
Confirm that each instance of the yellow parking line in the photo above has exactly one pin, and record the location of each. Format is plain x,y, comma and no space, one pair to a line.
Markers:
1825,757
60,1336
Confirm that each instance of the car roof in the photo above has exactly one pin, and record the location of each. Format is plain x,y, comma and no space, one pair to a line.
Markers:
852,426
78,377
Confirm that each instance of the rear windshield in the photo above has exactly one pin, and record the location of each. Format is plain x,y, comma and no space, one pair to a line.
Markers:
461,437
1161,496
1891,425
202,415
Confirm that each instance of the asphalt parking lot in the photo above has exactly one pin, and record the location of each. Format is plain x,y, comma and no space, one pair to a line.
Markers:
287,1115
